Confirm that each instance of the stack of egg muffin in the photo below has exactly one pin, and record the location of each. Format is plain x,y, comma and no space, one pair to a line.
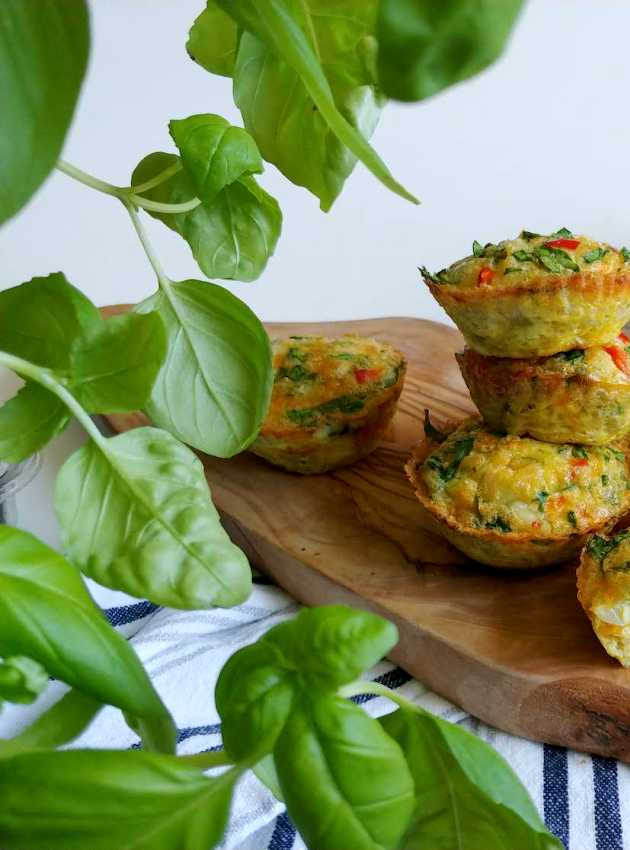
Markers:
544,472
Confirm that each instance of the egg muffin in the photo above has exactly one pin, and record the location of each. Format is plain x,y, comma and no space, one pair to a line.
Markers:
603,580
578,396
536,295
331,403
516,502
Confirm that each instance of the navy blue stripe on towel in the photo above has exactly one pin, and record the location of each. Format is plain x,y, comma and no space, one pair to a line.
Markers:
123,614
283,837
608,834
192,731
556,791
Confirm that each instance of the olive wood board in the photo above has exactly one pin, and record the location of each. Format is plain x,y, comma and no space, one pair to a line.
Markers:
512,648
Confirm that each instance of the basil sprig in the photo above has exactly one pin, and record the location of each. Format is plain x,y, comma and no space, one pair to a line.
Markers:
347,779
135,510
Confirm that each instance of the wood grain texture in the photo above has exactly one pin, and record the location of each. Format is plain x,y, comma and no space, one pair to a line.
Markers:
513,649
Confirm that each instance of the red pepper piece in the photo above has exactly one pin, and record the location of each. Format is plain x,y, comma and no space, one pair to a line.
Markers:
363,375
619,358
485,275
579,461
623,338
563,243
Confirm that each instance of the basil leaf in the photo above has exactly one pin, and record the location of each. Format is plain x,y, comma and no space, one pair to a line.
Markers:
563,233
254,695
467,795
113,364
625,253
579,452
599,547
320,649
40,319
594,255
524,256
528,235
47,614
43,56
499,524
425,47
572,519
214,388
108,365
542,498
231,238
280,78
28,421
345,782
104,799
461,449
430,430
555,259
296,373
573,355
136,515
278,110
21,679
332,645
213,39
62,723
214,153
477,249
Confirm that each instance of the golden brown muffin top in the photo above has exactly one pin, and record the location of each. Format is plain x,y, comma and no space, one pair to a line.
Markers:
515,484
318,380
514,262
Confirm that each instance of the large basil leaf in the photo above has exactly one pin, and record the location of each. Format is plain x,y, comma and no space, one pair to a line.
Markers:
62,723
43,55
345,782
254,694
213,39
323,49
113,364
214,388
425,46
136,515
109,366
28,421
214,153
40,319
231,238
101,800
290,131
47,614
467,795
320,649
332,645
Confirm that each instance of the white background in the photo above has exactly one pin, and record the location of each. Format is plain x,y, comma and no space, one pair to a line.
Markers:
540,141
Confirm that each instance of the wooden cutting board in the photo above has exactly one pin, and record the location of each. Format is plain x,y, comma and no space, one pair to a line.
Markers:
514,649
